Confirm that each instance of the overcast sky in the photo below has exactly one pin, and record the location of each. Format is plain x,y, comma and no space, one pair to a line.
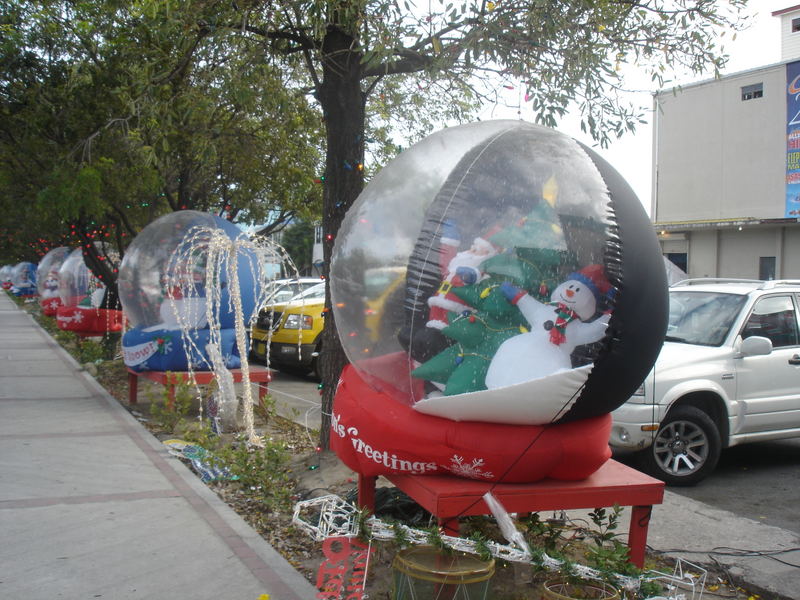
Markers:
632,155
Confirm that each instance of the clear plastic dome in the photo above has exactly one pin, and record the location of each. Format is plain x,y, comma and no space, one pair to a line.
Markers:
24,275
163,274
492,202
47,272
76,282
5,273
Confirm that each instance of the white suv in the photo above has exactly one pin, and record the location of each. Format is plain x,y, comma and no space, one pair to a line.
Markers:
728,373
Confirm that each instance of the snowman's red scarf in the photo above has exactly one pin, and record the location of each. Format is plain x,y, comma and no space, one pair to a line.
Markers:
564,315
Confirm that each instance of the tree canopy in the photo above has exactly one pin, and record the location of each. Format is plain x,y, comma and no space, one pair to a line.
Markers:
110,121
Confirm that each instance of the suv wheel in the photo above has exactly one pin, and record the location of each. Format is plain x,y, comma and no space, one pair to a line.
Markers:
686,448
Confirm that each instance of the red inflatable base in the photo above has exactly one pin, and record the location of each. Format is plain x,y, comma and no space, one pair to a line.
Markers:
50,306
374,433
88,321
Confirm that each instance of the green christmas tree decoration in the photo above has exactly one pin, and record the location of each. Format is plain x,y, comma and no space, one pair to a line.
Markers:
440,367
540,228
536,260
477,334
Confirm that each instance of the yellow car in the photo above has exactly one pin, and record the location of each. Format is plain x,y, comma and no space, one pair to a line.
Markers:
381,286
288,333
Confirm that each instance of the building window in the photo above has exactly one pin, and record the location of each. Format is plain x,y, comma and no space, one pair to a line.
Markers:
795,24
766,267
679,259
752,91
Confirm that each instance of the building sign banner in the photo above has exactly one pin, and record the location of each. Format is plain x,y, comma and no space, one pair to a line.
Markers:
792,140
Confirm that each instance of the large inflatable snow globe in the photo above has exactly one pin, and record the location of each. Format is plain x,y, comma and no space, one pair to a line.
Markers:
47,279
5,276
23,280
498,290
174,286
82,294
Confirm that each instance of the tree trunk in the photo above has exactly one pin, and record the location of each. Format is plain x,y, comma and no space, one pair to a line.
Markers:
99,264
343,105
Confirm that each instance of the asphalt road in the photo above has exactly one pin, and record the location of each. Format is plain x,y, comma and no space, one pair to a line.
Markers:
297,398
758,481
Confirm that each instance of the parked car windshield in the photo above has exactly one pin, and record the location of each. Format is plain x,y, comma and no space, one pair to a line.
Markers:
702,318
283,290
315,292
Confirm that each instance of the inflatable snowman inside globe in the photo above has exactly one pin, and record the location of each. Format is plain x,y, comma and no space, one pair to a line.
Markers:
47,279
497,283
168,297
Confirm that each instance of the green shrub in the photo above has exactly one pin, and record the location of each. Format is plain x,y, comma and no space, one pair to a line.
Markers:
264,472
168,416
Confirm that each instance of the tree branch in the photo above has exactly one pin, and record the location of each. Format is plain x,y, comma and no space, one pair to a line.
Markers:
187,57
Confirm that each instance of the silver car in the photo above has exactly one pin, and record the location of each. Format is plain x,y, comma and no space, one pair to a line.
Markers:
728,373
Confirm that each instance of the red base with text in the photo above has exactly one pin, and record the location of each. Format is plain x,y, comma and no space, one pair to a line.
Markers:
375,432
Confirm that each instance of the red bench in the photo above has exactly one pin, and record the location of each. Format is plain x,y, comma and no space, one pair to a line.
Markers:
258,374
448,497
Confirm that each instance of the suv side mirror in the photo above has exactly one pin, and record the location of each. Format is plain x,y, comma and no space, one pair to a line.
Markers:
756,345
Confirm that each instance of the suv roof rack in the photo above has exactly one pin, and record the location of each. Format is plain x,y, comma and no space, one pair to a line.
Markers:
773,283
702,280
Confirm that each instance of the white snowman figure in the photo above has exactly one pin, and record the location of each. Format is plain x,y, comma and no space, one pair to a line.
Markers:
556,329
50,288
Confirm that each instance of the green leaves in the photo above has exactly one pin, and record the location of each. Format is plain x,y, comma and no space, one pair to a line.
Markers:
72,193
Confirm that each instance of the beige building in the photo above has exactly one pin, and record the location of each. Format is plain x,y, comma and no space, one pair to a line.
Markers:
726,199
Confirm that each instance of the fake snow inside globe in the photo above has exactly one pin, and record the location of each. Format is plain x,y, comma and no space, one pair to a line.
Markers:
47,279
23,279
497,273
163,289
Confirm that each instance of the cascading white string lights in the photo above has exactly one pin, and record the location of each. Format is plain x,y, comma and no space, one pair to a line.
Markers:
203,286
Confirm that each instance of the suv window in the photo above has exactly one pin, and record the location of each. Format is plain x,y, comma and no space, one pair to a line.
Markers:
702,318
773,317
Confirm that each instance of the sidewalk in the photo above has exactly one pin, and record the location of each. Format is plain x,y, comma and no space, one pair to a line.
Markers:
92,505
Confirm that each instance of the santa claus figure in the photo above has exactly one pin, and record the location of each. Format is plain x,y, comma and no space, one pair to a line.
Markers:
459,269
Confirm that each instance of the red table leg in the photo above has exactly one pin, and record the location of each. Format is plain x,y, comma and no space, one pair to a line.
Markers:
449,526
133,387
366,492
637,533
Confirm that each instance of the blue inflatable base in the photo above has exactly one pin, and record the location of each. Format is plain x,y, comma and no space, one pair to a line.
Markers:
164,350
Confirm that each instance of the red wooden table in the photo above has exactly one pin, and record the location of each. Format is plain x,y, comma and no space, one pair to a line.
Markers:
170,379
448,498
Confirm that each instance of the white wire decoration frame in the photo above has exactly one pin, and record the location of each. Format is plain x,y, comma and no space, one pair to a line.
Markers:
686,578
333,516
